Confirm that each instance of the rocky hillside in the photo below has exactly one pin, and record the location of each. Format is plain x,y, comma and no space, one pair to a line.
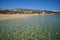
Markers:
26,11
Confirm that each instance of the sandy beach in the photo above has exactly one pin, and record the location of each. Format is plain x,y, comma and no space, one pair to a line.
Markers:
15,16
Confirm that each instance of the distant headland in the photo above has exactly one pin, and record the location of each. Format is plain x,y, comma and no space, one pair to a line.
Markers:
26,11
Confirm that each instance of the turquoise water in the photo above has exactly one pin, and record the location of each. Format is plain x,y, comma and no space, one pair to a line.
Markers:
31,28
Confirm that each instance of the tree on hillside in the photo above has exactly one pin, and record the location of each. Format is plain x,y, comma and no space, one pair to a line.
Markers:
4,11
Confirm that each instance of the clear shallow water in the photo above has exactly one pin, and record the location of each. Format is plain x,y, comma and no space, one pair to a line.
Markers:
31,28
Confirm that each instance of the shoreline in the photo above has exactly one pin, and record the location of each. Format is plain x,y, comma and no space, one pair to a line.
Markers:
15,16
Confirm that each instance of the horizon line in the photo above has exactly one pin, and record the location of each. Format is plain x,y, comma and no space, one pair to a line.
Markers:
30,9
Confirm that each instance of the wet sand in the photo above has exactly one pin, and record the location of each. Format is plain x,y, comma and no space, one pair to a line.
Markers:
15,16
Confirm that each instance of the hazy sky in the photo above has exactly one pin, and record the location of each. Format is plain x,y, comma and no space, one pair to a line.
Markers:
31,4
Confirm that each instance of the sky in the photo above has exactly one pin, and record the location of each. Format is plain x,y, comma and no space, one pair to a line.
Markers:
31,4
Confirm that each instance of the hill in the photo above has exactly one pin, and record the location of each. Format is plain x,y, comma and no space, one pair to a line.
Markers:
26,11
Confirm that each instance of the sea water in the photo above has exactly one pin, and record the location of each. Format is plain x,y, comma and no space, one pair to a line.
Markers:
39,27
